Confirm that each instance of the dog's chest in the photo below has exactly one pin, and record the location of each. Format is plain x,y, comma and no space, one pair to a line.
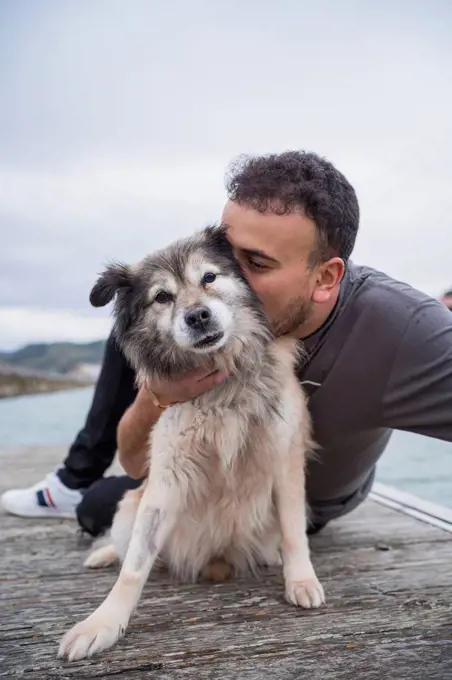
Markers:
224,466
223,452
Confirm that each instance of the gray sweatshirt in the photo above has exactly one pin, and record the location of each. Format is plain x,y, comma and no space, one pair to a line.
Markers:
382,361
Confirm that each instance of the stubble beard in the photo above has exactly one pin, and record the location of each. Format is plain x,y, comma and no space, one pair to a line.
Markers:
295,314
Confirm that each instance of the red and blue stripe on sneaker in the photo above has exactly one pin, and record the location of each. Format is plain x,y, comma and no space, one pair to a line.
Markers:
44,498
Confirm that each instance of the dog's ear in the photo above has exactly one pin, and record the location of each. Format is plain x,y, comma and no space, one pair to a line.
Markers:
117,276
216,237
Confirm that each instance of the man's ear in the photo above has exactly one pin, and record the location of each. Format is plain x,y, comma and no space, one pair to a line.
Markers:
116,276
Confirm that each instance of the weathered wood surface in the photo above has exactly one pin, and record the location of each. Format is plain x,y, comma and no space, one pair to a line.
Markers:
388,580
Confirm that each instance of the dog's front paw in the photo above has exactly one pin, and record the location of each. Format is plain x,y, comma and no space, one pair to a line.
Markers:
91,636
307,593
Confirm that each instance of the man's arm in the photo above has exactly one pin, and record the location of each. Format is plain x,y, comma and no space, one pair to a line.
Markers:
418,395
133,434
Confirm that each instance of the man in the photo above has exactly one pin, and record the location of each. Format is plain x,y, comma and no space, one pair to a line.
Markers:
378,352
446,299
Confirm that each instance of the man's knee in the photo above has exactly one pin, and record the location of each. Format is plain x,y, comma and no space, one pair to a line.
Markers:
96,510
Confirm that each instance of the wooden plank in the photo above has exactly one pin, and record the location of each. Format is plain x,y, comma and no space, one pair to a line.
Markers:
387,578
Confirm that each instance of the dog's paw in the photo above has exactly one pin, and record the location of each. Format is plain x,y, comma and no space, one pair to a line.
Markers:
102,557
91,636
307,593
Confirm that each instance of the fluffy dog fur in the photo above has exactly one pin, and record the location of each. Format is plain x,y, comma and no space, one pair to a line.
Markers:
226,485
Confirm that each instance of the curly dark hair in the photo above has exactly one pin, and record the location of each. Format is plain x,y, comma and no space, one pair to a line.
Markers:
281,183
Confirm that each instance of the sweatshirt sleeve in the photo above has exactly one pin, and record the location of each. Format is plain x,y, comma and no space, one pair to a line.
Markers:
418,394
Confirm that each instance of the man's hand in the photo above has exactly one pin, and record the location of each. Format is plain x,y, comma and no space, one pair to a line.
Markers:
191,386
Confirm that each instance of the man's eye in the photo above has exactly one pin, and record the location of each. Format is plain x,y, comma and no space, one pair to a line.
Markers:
253,264
163,297
209,277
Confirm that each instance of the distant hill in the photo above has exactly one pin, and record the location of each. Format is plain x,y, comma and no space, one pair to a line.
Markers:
56,357
16,381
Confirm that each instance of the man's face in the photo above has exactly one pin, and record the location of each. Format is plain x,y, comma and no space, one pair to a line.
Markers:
274,252
447,300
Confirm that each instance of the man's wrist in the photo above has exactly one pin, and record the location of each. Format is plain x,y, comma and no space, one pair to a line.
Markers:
156,402
146,398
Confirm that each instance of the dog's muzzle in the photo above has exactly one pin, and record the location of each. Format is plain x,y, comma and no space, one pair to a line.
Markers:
198,318
203,327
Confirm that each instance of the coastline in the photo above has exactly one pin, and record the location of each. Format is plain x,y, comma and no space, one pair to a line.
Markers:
16,383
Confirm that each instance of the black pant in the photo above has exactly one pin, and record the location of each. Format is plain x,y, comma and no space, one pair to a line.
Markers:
94,448
95,445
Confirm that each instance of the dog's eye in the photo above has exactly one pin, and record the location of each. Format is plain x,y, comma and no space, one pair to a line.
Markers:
209,277
162,297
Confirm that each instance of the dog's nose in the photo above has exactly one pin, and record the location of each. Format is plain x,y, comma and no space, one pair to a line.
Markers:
198,318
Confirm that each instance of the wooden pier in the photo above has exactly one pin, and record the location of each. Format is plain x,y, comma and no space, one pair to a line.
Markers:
386,569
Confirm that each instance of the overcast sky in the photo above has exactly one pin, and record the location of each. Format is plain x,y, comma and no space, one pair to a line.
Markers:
118,119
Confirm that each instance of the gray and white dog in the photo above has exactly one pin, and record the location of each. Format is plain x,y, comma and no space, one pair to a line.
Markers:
225,490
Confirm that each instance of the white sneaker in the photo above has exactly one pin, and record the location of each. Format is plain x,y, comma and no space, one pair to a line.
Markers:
47,498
